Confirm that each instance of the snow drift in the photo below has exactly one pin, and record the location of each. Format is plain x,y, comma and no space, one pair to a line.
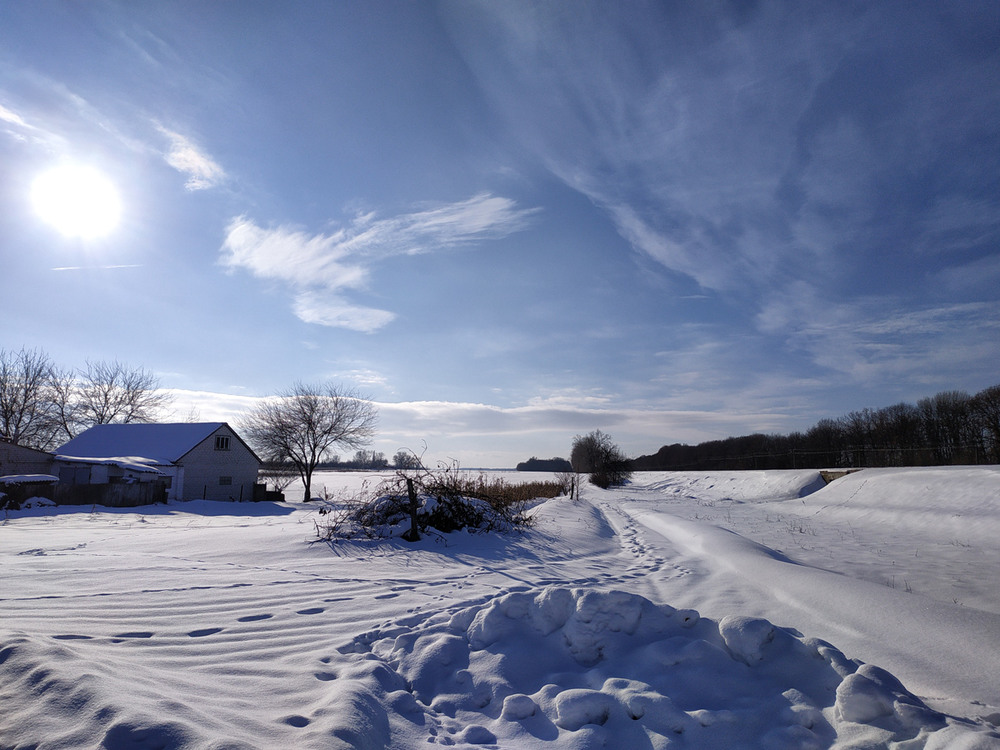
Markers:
581,668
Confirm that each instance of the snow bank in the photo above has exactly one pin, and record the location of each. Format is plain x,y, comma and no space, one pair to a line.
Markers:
957,503
879,623
577,668
709,487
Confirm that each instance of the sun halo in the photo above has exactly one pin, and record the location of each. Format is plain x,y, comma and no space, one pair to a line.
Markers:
78,200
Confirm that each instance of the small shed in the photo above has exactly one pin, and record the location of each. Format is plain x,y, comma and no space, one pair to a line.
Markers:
196,460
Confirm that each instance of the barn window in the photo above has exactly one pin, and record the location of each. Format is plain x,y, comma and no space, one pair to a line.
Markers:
222,442
225,481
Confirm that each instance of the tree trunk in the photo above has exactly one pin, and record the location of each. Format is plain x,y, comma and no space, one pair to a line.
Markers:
413,535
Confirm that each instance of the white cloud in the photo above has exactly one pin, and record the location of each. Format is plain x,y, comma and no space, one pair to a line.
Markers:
290,255
201,171
13,118
366,378
207,406
321,267
687,257
326,309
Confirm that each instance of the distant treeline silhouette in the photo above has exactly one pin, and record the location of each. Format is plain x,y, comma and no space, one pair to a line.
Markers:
545,464
949,428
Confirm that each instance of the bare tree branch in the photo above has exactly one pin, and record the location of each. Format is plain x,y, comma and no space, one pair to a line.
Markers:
26,413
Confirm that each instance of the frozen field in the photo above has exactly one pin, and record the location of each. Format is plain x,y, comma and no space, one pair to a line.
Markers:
687,610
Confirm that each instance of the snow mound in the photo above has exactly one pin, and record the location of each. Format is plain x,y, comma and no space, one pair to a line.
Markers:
577,668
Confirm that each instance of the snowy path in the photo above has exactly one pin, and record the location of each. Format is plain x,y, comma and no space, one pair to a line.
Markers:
220,626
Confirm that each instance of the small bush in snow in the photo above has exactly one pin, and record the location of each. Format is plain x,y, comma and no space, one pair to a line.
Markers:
597,455
412,503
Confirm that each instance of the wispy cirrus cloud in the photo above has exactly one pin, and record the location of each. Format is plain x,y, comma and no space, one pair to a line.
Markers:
876,340
201,170
744,148
482,217
322,268
13,118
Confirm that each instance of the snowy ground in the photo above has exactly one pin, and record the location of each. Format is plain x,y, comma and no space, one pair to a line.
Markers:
688,610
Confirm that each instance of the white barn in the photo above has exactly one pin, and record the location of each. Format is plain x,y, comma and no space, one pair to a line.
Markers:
197,460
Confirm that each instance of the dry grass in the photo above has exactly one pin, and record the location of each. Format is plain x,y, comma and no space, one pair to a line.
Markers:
494,490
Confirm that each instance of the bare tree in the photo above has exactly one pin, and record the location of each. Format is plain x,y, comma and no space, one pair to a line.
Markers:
106,393
406,459
110,392
303,424
986,408
26,413
945,419
65,406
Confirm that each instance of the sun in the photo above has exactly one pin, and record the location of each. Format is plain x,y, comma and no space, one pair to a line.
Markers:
78,200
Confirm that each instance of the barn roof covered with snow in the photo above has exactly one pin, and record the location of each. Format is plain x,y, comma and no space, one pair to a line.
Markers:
163,443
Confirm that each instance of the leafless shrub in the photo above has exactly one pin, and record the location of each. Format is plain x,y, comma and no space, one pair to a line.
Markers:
411,503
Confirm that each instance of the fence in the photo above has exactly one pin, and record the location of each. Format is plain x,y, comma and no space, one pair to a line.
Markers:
109,495
116,495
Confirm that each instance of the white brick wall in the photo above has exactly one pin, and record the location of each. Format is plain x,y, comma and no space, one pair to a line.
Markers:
204,466
15,459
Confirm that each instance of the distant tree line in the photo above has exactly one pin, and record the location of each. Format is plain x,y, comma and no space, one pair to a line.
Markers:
545,464
951,427
364,460
43,405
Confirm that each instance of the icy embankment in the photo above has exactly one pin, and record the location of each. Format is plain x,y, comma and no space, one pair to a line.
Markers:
575,668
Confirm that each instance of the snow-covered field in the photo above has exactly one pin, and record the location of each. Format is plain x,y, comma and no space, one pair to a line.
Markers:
687,610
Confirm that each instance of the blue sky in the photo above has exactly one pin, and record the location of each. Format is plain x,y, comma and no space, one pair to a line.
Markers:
510,223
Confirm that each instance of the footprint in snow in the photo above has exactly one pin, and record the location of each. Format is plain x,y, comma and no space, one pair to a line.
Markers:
203,632
254,618
310,611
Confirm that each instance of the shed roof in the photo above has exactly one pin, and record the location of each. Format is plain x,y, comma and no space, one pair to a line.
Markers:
163,443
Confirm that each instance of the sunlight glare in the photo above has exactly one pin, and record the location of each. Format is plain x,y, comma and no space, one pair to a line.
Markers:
78,200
